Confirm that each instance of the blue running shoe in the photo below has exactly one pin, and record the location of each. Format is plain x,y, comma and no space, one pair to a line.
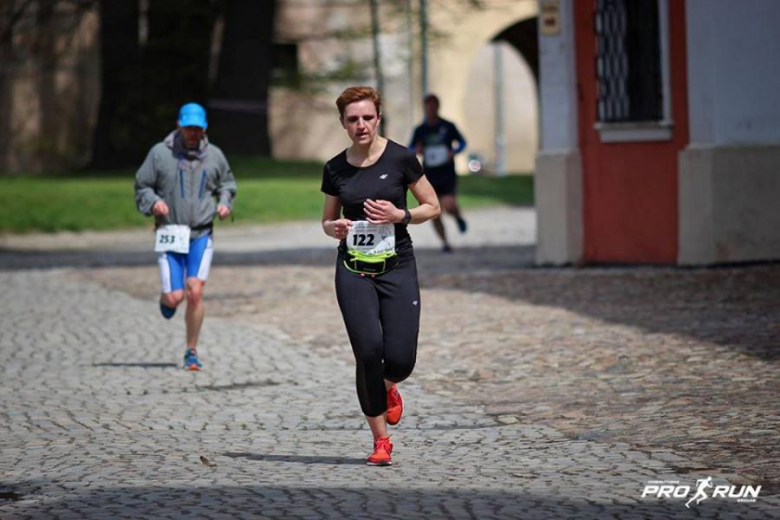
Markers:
462,226
166,311
191,361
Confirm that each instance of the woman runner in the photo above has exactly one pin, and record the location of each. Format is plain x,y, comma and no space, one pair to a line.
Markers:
376,274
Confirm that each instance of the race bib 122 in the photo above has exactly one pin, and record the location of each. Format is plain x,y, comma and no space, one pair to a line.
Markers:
371,239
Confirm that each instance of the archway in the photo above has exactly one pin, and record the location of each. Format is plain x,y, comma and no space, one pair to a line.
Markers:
524,37
452,62
518,127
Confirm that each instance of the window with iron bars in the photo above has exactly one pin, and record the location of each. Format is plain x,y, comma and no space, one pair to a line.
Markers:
628,61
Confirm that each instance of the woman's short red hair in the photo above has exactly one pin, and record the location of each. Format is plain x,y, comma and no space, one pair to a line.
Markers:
353,94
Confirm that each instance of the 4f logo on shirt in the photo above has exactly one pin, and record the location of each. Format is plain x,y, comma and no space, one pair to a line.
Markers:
383,176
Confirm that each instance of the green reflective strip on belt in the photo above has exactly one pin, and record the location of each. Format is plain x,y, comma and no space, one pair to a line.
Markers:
363,258
371,259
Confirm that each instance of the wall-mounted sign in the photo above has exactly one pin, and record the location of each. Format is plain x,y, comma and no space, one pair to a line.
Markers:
550,17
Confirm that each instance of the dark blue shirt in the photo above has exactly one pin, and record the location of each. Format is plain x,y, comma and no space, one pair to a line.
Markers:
437,142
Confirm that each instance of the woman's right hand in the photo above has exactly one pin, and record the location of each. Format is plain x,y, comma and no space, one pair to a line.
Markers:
340,228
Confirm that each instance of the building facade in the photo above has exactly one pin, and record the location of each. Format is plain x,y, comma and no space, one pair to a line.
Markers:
332,38
660,132
49,100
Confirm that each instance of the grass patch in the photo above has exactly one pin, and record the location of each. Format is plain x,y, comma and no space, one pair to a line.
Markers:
269,191
66,204
514,190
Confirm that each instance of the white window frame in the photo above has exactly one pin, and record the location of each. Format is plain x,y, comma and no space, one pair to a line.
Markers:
648,130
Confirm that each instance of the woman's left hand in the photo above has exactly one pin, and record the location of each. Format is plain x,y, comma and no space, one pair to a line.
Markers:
382,212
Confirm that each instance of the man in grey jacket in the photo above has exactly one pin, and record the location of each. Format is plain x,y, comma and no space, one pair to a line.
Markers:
185,182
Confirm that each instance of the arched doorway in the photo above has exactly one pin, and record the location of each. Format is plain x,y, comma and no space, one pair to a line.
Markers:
517,125
460,73
524,37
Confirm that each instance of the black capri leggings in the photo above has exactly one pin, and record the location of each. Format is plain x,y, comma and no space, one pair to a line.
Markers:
382,315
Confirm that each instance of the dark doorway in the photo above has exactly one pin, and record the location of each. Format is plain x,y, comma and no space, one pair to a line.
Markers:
523,36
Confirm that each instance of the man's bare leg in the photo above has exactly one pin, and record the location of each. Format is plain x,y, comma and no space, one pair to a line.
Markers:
195,311
172,299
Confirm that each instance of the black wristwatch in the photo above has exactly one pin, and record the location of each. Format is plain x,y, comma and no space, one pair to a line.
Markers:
407,217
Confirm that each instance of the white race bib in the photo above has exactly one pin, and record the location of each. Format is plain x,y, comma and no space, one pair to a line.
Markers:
436,155
173,239
371,239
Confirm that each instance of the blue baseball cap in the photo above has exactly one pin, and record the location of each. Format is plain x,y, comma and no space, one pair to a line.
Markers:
192,114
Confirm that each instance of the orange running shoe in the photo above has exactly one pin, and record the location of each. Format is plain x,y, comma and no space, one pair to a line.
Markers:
383,448
395,406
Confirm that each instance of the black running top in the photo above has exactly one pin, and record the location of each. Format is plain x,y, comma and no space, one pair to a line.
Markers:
387,179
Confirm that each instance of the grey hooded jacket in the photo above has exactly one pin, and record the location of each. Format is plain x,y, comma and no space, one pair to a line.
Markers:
187,180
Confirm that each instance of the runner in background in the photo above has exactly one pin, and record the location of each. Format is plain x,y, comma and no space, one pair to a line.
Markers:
433,139
184,183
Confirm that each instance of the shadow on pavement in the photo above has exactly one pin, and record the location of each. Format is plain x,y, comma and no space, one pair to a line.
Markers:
15,260
391,501
464,259
735,306
240,386
298,459
138,365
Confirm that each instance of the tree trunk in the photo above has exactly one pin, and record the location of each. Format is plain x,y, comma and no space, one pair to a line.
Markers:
238,108
6,86
119,60
176,60
380,78
143,88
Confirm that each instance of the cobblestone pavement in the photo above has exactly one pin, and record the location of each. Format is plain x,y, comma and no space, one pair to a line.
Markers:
539,393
